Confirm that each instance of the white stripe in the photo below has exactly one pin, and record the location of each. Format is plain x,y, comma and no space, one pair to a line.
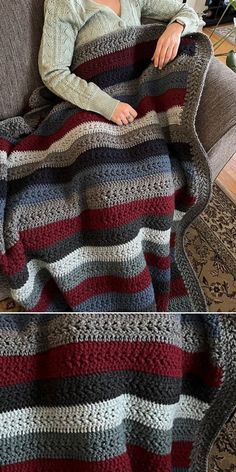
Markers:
120,253
172,116
99,416
178,215
3,157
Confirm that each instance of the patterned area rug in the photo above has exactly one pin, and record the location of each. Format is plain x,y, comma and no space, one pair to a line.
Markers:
223,454
211,247
224,29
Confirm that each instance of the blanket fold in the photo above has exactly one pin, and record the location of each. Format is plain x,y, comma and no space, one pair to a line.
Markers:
114,392
93,215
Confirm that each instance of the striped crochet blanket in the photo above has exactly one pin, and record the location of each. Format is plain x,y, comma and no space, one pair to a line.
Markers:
93,215
114,392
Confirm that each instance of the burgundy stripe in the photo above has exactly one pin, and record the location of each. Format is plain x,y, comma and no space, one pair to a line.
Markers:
14,260
100,356
94,286
97,219
99,285
133,55
177,288
116,59
161,262
5,145
108,283
172,97
48,295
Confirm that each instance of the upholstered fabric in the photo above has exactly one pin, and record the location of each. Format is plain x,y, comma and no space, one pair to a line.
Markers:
216,117
20,34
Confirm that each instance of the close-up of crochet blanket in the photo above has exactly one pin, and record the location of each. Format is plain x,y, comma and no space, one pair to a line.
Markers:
92,215
114,392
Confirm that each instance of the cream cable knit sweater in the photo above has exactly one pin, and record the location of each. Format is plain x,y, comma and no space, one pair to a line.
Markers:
68,23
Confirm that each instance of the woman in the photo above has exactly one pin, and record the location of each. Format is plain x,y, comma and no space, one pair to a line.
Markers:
72,22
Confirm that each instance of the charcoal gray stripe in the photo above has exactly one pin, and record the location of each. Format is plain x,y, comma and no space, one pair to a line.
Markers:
95,446
84,178
147,136
100,386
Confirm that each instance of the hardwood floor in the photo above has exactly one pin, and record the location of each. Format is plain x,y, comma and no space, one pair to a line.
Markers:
227,177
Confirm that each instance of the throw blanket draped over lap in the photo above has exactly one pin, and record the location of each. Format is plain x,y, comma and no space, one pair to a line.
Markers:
114,392
93,215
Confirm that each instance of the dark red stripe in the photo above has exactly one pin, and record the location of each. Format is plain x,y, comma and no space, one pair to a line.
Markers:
115,60
136,459
99,356
161,262
94,286
159,103
14,260
97,219
50,293
98,285
5,145
177,288
48,296
171,98
109,283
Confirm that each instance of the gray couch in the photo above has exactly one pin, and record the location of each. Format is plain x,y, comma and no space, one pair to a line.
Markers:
20,33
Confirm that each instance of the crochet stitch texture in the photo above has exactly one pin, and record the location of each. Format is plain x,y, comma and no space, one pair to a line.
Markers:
114,392
92,214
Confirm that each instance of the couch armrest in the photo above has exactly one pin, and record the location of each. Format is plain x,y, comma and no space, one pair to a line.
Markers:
216,116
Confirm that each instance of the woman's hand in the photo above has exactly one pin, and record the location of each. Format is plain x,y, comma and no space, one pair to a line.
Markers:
167,45
123,114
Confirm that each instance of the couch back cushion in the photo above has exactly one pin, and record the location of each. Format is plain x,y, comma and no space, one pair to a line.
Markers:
20,35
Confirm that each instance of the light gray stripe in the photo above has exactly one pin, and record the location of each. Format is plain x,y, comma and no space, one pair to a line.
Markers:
95,446
94,198
100,416
79,274
124,253
58,155
118,136
114,189
177,303
67,328
89,177
30,292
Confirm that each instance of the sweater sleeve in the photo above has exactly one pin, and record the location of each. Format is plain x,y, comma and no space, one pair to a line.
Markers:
61,26
171,10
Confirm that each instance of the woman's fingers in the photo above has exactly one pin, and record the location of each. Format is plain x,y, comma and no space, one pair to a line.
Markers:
123,114
167,54
156,54
124,119
133,112
166,48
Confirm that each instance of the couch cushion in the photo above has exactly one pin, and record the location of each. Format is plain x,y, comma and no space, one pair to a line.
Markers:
217,108
20,35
